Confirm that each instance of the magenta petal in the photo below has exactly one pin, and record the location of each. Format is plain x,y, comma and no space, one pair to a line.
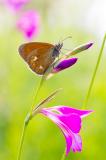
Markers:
64,64
51,115
81,48
15,4
69,110
28,23
76,143
68,143
69,121
88,45
73,142
64,129
72,121
85,46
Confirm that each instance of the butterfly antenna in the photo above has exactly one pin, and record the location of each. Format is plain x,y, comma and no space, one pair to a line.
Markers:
66,38
66,49
61,41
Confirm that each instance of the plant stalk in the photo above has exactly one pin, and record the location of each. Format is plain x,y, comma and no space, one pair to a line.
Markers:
94,74
91,82
64,155
27,119
26,122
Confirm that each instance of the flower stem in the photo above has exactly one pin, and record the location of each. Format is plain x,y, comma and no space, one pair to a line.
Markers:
94,74
36,95
28,118
64,155
23,136
91,82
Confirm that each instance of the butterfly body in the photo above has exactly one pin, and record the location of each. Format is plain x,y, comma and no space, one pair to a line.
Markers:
39,56
57,49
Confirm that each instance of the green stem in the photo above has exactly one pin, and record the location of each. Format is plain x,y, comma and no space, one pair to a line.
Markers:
36,95
23,136
94,74
64,155
91,82
28,118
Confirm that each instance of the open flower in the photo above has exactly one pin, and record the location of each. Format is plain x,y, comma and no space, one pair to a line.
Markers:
15,4
69,121
29,23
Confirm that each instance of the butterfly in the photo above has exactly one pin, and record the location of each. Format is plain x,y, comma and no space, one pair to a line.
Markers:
39,55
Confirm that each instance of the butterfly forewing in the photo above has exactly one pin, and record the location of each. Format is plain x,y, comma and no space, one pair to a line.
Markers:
38,55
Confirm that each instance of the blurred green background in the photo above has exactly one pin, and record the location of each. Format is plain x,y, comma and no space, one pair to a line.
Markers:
44,140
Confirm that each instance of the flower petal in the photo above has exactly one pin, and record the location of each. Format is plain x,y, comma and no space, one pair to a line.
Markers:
80,49
64,129
72,121
69,110
69,121
73,140
64,64
68,143
15,4
29,23
76,143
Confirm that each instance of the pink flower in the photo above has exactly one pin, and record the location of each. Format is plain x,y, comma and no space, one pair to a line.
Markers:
29,23
69,121
15,4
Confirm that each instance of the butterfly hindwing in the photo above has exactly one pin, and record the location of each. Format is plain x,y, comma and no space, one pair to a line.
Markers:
38,55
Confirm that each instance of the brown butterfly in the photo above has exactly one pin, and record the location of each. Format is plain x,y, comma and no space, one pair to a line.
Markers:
39,56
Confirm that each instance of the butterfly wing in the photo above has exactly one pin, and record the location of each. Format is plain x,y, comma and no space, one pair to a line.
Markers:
38,55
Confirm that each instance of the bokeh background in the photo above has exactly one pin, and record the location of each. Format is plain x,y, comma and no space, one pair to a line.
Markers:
84,20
